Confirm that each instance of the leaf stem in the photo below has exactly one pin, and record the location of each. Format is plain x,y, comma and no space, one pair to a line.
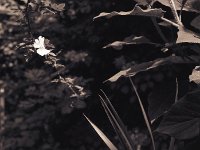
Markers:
144,113
174,11
170,22
155,23
159,30
172,141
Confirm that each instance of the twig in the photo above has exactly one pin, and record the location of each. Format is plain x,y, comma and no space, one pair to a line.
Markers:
144,113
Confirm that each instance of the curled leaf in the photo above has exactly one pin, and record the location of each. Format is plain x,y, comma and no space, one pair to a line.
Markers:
137,11
131,40
146,66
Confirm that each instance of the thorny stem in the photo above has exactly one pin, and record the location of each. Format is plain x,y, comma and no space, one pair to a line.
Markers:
174,11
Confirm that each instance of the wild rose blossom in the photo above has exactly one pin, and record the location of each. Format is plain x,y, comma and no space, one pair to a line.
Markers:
39,45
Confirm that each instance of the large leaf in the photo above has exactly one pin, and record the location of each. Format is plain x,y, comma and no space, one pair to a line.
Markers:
182,121
161,98
196,22
190,5
171,60
187,36
131,40
137,11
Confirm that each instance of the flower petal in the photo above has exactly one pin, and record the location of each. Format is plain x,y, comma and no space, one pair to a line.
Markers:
41,39
36,45
39,43
43,51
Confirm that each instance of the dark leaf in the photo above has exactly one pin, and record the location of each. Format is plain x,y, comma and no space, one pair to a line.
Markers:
137,11
118,45
182,120
196,23
161,98
171,60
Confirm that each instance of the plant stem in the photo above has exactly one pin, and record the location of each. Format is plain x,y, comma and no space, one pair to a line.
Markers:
170,22
174,11
28,19
159,30
2,115
171,146
144,113
177,89
172,141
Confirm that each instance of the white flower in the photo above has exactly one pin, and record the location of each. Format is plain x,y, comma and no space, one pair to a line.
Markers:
39,45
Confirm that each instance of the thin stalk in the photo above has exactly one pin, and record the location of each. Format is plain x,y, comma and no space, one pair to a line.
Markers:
177,91
115,125
112,123
28,19
169,21
144,113
174,11
182,6
158,28
2,116
172,141
118,122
